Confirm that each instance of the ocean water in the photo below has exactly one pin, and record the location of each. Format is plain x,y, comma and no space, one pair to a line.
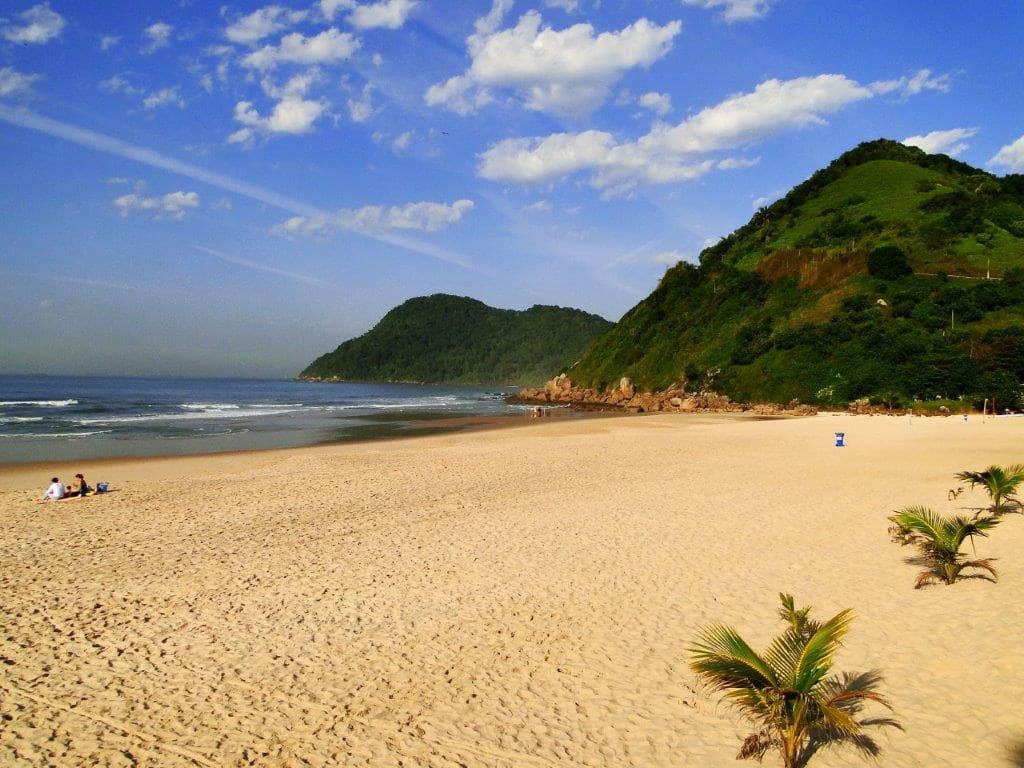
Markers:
50,418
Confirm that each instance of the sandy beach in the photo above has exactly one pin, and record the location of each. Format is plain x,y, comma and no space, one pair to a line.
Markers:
514,597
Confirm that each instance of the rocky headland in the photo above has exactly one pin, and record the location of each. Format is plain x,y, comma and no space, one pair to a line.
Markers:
627,396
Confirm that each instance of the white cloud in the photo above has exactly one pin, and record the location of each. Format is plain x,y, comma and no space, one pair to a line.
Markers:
458,94
736,10
675,153
297,85
15,83
569,6
563,72
402,141
760,202
159,35
668,258
361,109
328,47
388,14
163,98
541,206
329,8
1010,157
109,41
533,160
40,24
490,22
120,84
920,81
772,106
167,96
173,205
424,217
659,103
293,113
737,163
261,23
951,142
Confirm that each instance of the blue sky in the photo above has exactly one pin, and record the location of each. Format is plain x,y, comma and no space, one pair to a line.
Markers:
203,189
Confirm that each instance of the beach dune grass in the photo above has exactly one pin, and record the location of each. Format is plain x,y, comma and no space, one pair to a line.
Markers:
939,540
787,692
1001,483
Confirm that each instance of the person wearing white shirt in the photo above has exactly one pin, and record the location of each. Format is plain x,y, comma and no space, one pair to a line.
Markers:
55,491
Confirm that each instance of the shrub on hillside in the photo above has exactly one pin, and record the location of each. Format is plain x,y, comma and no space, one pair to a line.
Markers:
888,262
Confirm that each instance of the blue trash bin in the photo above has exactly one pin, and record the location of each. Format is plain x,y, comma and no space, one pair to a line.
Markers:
840,437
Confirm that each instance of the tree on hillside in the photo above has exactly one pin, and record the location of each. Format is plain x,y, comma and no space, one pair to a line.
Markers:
888,262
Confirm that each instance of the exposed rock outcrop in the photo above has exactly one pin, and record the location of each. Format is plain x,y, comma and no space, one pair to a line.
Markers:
625,395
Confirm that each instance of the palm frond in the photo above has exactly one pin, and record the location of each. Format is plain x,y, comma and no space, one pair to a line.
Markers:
919,520
725,659
756,745
978,526
836,720
1000,483
799,621
816,658
973,478
985,565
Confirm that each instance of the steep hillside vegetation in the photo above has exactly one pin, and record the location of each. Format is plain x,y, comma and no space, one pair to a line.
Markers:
458,340
867,280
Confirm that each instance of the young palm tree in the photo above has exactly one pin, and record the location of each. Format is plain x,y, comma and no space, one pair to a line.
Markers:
1000,482
786,690
939,539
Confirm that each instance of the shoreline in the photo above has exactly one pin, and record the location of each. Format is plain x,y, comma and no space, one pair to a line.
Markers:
39,471
457,425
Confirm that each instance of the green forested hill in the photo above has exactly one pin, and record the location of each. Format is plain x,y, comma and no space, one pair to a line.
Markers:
867,280
458,340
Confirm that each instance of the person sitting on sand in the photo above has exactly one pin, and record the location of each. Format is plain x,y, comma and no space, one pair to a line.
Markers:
55,491
81,487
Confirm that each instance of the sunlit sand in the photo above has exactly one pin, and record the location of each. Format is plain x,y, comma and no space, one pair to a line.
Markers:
506,598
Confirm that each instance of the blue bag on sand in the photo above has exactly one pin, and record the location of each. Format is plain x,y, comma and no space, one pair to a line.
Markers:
101,487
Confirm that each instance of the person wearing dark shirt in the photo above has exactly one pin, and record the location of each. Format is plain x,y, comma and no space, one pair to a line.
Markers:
81,487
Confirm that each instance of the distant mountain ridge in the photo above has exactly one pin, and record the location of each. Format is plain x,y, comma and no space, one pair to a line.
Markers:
865,281
446,339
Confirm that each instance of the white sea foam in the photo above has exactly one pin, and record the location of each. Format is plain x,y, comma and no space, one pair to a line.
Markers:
40,403
439,401
18,419
235,412
209,406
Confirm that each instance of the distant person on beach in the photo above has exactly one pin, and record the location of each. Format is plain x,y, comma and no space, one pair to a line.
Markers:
55,491
81,487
